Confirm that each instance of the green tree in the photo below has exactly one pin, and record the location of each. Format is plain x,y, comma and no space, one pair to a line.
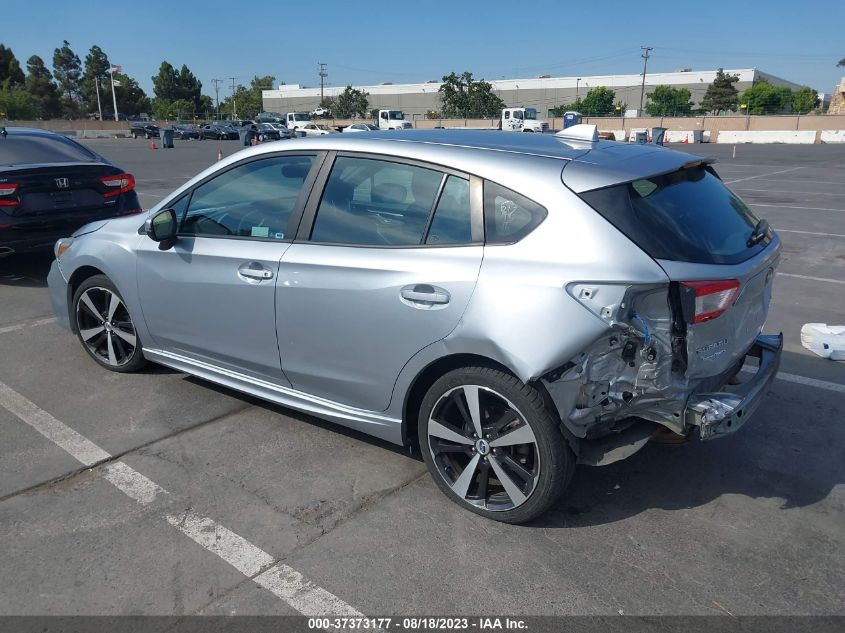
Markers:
804,99
248,102
166,83
11,74
206,108
668,101
67,71
764,98
96,69
463,96
15,103
721,95
42,89
575,106
189,87
351,103
598,102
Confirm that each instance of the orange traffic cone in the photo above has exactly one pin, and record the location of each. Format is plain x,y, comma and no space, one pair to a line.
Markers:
153,145
219,154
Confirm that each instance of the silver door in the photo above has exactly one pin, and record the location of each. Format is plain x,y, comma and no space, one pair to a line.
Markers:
351,313
212,295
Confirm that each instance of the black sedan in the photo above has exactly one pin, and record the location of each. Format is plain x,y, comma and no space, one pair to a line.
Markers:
50,186
147,130
185,131
219,132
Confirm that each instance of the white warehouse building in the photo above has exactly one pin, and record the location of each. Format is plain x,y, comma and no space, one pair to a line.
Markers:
542,93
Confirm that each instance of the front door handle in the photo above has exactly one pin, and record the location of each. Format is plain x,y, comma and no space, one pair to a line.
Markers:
254,270
424,293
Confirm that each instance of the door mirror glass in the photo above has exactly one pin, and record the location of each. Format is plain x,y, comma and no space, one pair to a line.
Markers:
162,226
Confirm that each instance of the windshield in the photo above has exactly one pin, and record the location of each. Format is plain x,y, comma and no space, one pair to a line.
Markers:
301,116
688,215
531,114
396,115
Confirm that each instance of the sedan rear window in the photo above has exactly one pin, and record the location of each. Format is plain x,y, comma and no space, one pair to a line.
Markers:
29,149
688,215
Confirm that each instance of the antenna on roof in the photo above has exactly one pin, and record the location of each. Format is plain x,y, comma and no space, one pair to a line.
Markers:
580,132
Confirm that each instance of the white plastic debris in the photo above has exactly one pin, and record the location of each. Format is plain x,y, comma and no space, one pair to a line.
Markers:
828,341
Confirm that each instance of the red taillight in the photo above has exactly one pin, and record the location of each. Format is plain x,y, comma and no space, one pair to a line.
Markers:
709,299
7,190
118,184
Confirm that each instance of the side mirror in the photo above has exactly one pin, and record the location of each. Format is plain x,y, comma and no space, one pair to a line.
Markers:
162,227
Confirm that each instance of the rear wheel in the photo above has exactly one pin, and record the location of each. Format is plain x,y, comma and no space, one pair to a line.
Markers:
134,135
492,446
105,327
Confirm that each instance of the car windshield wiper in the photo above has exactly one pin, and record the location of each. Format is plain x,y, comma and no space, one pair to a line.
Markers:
760,232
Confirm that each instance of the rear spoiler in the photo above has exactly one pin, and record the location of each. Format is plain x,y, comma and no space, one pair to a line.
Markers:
610,164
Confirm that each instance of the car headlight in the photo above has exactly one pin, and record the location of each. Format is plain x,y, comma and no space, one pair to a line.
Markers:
61,246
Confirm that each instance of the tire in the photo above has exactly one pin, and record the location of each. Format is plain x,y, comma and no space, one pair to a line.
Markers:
134,135
512,482
104,326
528,131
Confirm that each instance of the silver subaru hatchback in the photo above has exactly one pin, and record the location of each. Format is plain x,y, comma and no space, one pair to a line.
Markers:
512,304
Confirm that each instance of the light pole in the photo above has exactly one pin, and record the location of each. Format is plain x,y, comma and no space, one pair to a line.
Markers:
577,83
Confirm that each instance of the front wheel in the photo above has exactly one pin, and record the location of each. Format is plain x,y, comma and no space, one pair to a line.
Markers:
105,327
492,446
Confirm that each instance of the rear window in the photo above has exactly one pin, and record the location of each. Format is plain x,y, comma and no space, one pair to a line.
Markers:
688,215
26,149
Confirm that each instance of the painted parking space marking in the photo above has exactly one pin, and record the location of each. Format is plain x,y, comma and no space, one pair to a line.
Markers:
810,193
788,206
809,233
771,173
810,278
21,326
803,380
811,182
254,563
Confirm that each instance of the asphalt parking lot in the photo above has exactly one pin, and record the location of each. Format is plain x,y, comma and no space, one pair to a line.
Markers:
243,507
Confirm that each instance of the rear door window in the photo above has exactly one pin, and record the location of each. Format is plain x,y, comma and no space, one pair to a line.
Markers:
452,222
688,215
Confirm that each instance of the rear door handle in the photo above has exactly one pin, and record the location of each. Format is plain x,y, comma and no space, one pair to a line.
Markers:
424,293
254,270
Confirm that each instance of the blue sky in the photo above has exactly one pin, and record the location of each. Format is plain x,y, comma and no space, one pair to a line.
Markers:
366,42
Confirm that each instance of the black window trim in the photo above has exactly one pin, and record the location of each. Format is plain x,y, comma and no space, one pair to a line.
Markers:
306,225
298,207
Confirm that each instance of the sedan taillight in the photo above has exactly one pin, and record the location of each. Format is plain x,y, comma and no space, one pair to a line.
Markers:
7,195
117,184
707,300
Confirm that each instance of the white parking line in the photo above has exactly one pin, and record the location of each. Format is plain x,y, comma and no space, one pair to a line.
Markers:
787,206
809,233
772,173
803,380
152,195
814,193
811,182
831,281
281,580
20,326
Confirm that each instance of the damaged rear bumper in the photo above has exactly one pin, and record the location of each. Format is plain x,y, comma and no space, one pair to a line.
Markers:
725,412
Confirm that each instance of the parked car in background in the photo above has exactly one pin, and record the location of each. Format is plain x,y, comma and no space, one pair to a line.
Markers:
512,303
50,186
145,129
186,131
282,129
219,132
321,112
312,129
270,117
266,132
361,127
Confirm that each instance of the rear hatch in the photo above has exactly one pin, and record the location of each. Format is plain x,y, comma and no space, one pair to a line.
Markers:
718,254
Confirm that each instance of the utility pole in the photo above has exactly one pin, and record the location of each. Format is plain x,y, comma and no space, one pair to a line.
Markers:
234,104
99,107
217,83
112,71
647,50
323,75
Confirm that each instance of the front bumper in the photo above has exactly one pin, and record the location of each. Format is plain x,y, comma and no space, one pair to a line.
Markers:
725,412
58,295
